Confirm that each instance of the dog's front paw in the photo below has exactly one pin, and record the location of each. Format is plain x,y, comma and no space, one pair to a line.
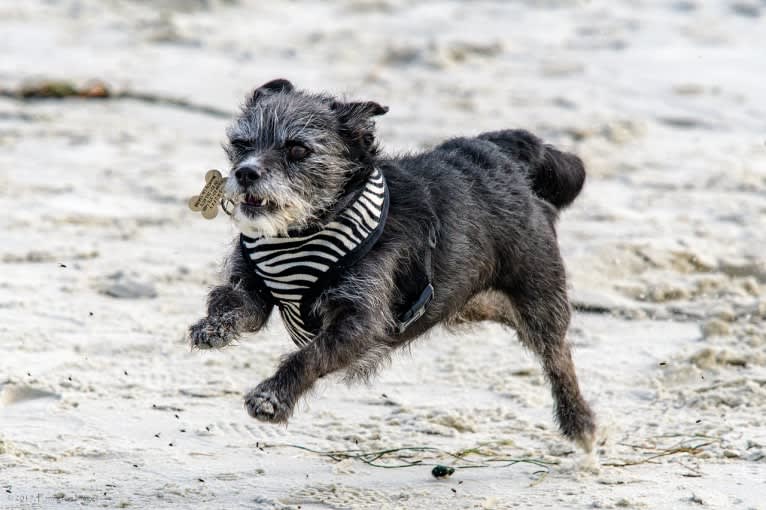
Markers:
263,403
213,332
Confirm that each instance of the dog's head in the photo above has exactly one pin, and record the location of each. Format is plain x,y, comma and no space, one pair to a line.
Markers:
294,157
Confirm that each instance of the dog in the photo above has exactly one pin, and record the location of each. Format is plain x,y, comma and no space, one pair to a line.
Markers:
361,253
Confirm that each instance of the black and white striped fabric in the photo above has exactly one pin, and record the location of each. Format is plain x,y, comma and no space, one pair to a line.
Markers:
294,270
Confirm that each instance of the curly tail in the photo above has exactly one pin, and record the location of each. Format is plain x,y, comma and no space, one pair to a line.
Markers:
557,177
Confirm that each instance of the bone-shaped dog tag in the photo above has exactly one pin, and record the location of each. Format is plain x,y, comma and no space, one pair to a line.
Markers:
210,196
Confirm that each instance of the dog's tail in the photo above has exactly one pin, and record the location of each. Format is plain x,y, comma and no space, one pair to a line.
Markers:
555,176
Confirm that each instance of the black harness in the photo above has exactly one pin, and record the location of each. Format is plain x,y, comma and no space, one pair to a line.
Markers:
292,272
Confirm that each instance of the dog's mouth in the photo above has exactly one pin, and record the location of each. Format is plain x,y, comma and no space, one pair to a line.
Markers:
254,205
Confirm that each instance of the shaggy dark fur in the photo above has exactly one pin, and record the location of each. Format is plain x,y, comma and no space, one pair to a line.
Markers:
493,201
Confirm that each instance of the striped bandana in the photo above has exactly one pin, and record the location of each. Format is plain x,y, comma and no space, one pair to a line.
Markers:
293,271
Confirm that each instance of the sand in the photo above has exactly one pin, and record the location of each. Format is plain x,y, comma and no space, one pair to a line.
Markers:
102,267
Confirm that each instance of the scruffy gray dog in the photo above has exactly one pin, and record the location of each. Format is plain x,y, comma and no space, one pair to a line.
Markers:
362,253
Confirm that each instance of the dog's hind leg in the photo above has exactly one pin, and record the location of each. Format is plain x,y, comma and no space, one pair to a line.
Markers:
541,315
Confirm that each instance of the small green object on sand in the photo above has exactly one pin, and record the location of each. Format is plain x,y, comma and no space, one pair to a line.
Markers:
440,471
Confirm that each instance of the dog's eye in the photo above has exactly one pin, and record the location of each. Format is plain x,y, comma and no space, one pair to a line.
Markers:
297,152
240,144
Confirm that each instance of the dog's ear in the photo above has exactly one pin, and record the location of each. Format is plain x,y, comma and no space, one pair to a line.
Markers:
357,127
272,87
357,112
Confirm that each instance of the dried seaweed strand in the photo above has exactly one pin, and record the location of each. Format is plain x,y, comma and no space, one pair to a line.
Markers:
65,90
692,450
402,454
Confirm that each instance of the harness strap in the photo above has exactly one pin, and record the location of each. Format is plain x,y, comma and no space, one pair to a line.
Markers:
420,305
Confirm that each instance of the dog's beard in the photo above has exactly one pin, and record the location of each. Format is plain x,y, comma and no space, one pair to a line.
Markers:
283,210
271,224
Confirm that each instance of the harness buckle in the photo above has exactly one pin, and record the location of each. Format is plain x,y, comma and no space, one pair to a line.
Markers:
417,310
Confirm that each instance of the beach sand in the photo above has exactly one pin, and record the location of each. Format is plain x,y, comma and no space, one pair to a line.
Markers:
103,267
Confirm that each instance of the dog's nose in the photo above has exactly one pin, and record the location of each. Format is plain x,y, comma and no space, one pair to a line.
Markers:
246,175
